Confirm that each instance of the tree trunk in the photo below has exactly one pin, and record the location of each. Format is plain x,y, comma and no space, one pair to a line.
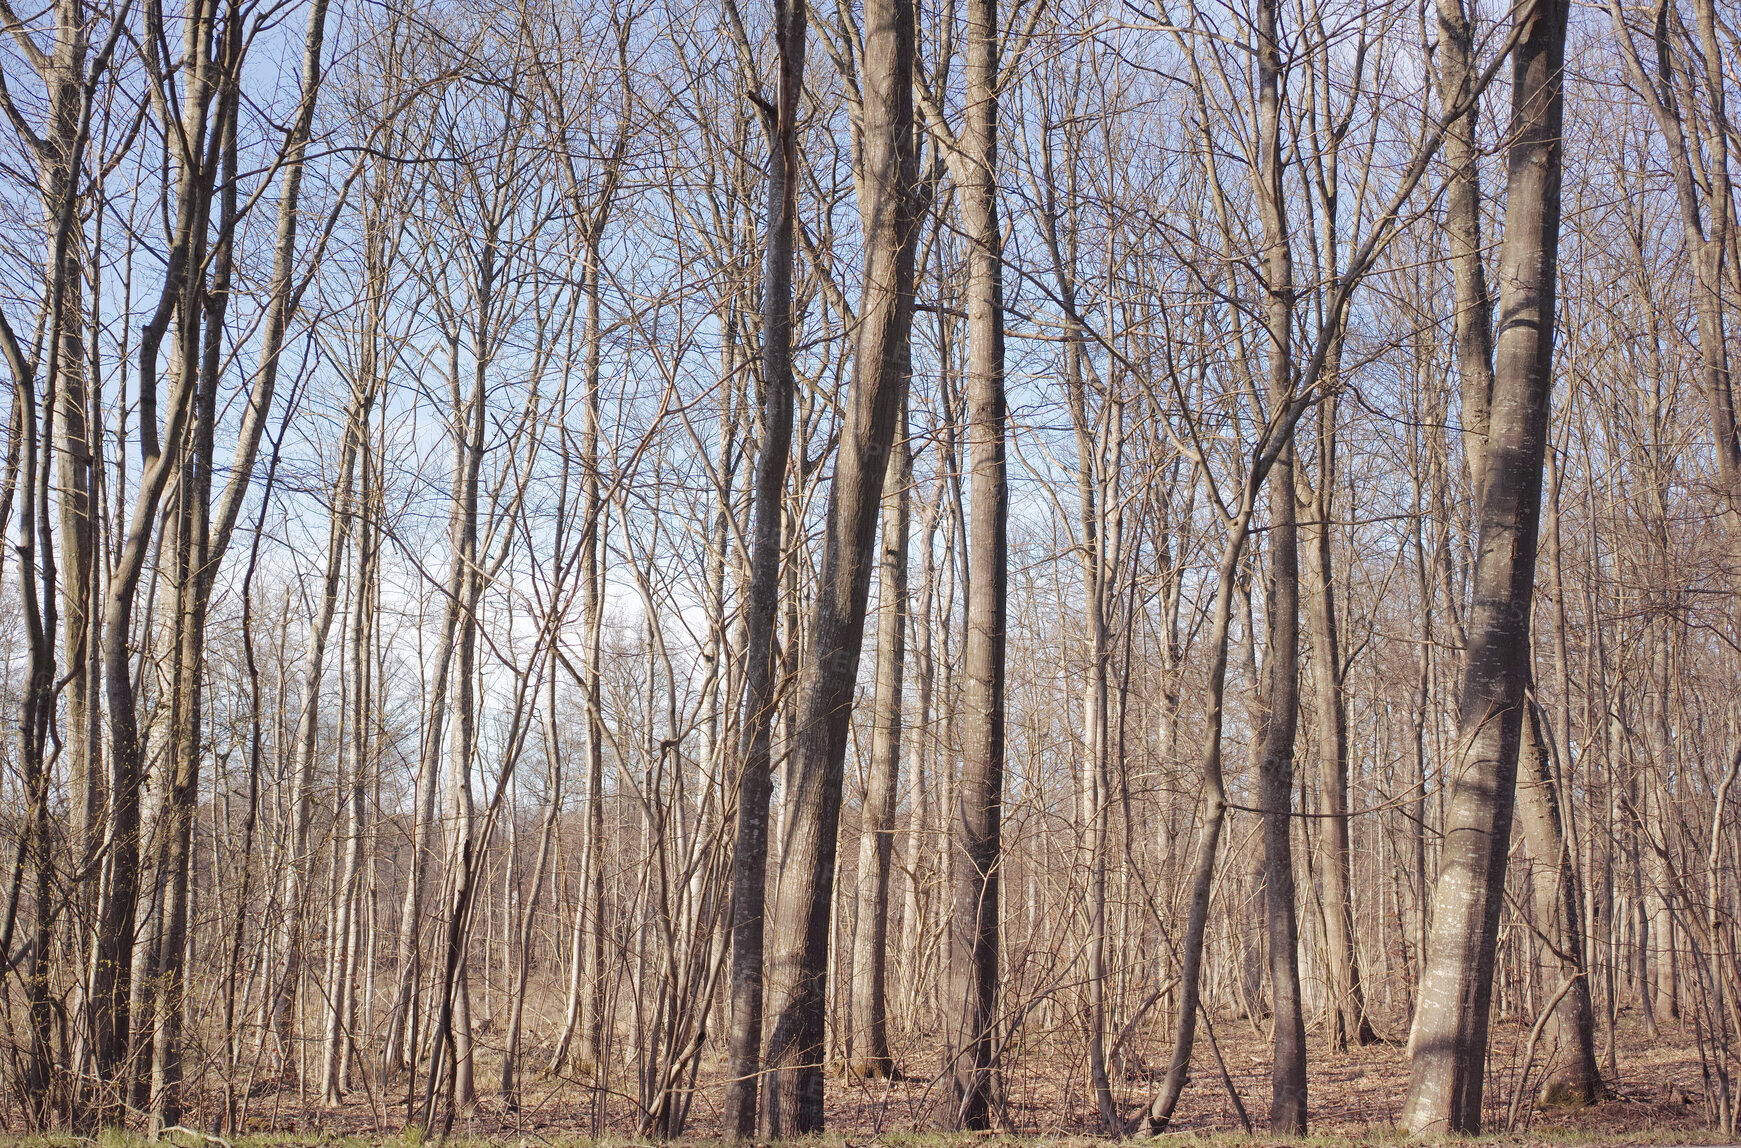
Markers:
297,871
1279,707
870,959
340,992
464,846
881,366
60,158
1448,1041
970,1021
586,987
1160,1111
36,594
762,655
117,928
1574,1080
524,928
402,1031
194,572
1278,721
1474,314
1347,1019
1535,783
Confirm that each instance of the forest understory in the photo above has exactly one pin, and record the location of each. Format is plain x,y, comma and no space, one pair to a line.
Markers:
1655,1097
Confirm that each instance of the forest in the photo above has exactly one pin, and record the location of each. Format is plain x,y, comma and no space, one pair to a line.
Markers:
738,569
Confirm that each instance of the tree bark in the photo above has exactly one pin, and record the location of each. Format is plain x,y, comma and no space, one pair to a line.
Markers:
749,874
1279,707
1347,1019
1574,1081
1448,1041
194,570
970,1021
1535,783
1278,721
870,958
881,367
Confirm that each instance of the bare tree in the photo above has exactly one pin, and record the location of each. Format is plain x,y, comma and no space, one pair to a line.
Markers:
881,366
1448,1041
870,956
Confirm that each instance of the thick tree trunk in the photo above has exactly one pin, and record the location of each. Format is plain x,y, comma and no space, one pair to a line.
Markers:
1448,1041
1475,367
881,366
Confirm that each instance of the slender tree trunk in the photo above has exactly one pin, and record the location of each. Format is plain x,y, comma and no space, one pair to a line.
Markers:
921,741
1279,710
60,158
1093,487
762,655
1094,805
192,596
402,1034
340,991
113,989
1346,1019
1279,707
526,926
36,593
870,958
971,1020
462,750
586,988
1574,1080
297,872
1474,316
1160,1111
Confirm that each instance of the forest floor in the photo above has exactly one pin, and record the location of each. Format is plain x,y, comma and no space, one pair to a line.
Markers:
1355,1098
